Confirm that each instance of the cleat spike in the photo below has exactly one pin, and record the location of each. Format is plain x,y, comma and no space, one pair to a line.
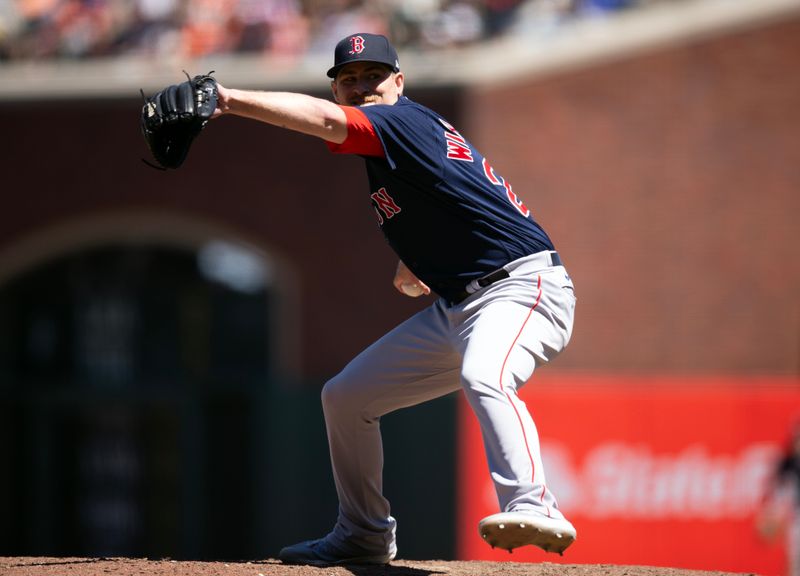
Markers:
522,525
501,526
559,536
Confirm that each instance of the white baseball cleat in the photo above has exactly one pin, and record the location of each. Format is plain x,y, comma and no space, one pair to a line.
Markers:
509,530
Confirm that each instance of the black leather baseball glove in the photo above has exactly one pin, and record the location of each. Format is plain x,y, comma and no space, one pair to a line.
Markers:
173,117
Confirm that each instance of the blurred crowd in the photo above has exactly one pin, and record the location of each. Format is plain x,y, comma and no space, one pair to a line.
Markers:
77,29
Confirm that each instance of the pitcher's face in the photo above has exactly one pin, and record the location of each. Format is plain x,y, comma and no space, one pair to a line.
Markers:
367,83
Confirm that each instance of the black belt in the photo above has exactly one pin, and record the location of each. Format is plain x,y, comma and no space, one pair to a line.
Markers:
492,277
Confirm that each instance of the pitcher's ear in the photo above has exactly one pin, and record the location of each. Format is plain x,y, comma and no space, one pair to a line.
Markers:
399,81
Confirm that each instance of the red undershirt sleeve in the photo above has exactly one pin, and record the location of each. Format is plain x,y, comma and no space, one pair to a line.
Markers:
361,136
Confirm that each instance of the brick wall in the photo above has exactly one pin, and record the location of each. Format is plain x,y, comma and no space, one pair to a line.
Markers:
276,190
670,182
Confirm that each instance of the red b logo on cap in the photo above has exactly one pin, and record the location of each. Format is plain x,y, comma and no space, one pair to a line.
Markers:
356,45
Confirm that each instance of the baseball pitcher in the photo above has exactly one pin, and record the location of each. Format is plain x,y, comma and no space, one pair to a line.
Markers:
504,305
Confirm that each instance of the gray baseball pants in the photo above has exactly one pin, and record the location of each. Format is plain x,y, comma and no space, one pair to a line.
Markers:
487,345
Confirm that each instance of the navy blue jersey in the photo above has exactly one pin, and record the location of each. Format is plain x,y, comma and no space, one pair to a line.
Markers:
442,208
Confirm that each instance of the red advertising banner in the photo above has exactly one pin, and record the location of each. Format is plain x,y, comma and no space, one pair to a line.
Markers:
658,471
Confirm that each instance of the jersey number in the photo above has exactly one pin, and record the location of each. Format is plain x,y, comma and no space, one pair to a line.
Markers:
500,181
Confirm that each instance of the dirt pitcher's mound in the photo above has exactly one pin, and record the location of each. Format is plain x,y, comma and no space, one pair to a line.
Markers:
144,567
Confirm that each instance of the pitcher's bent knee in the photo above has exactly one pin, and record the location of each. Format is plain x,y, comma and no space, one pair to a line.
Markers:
333,395
480,378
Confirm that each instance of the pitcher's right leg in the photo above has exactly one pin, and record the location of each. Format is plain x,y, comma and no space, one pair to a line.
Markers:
409,365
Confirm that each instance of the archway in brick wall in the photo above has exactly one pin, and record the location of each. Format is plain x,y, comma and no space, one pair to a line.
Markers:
135,355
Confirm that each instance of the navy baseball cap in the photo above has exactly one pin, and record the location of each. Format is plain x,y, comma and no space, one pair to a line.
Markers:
364,47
